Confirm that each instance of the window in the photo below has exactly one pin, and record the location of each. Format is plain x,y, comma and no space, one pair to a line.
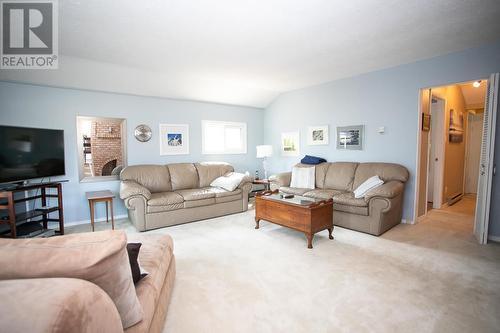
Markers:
222,137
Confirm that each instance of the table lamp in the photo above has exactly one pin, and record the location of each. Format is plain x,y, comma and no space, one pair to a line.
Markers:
264,151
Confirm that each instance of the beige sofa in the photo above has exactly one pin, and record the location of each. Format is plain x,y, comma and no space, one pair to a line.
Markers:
162,195
377,212
45,284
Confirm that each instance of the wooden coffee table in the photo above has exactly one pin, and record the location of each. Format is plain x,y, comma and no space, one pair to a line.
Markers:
303,214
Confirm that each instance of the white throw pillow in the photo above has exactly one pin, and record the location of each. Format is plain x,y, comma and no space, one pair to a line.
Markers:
303,177
367,185
229,181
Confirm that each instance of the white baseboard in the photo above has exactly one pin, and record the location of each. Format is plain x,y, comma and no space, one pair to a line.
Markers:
101,219
494,238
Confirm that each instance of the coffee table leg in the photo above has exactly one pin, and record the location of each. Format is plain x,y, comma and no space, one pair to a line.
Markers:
330,230
309,241
257,223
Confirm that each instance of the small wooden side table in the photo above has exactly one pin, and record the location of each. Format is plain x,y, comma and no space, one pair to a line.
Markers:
101,196
264,182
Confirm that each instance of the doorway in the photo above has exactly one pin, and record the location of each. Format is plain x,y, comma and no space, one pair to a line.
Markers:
450,148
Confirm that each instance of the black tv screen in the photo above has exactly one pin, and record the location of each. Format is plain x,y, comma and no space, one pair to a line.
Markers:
27,153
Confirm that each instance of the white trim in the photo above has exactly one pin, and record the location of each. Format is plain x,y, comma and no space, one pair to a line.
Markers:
494,78
494,238
101,219
241,125
417,159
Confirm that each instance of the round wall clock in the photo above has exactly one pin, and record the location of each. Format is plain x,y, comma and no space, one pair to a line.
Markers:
142,133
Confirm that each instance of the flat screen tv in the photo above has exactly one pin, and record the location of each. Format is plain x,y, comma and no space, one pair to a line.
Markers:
28,153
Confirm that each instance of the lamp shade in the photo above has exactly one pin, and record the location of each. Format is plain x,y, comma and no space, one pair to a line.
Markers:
264,151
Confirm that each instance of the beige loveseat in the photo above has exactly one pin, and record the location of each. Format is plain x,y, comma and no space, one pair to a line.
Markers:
377,212
162,195
76,283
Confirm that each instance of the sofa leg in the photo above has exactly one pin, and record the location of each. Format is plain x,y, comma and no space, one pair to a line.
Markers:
330,230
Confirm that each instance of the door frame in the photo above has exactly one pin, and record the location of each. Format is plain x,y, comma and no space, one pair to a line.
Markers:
482,233
416,218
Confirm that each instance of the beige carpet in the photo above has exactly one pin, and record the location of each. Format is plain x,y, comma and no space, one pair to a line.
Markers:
429,277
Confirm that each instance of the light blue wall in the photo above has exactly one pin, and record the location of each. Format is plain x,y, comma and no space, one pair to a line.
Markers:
46,107
387,98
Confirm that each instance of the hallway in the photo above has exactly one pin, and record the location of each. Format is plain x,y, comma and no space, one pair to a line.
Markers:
458,217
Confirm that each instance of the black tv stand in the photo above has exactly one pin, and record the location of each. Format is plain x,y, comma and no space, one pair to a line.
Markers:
8,203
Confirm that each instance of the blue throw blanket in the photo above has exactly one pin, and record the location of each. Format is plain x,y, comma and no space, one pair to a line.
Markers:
312,160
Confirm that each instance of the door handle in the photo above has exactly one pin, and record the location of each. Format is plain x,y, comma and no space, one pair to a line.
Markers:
494,169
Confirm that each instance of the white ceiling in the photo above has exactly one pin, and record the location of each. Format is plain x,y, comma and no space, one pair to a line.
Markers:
474,97
248,52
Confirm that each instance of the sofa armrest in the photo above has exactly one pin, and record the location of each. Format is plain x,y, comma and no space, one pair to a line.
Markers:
280,179
130,188
60,305
246,184
388,190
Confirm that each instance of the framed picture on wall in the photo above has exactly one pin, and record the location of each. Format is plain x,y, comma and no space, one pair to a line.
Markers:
290,142
350,137
456,129
174,139
317,135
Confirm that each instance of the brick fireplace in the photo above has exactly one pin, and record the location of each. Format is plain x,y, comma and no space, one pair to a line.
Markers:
106,147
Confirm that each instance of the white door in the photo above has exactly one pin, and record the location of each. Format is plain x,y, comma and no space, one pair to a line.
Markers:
432,152
486,164
474,136
436,158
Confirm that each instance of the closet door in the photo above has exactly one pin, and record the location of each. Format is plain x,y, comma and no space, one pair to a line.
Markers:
486,164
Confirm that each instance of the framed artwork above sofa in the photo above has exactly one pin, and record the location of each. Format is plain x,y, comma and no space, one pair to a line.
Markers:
317,135
350,137
174,139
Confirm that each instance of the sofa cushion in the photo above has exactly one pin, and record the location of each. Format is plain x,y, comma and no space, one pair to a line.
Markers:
340,176
294,190
229,181
368,185
386,172
199,203
156,178
196,194
350,209
164,208
165,199
321,194
99,257
156,256
183,176
209,171
320,172
220,192
303,177
229,198
347,198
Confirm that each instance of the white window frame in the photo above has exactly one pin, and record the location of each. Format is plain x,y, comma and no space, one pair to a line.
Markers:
243,127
